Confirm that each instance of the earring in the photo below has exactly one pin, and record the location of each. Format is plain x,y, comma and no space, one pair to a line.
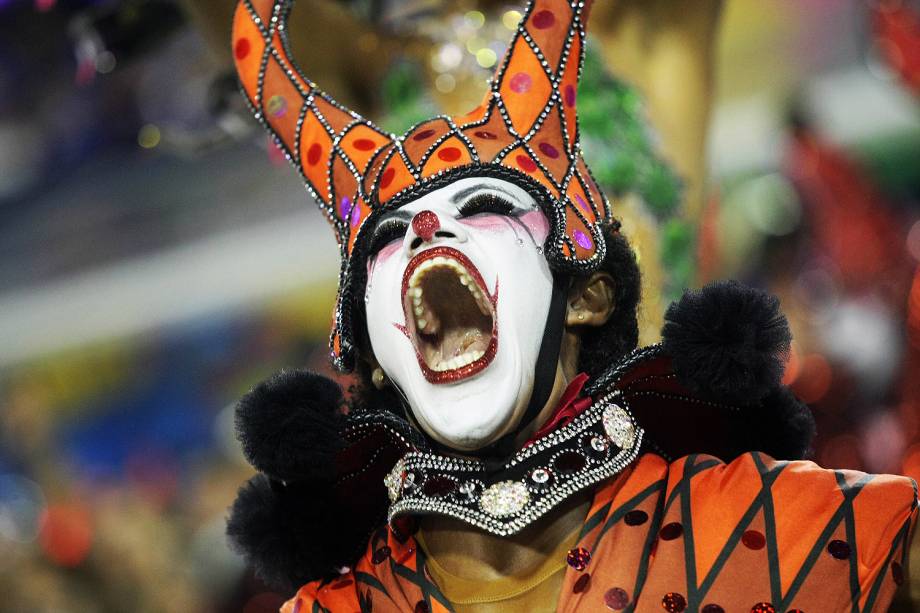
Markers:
378,378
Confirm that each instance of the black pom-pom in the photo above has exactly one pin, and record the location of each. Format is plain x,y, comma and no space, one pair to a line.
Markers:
782,426
288,534
290,426
728,342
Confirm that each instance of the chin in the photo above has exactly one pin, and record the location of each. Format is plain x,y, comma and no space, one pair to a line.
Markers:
473,413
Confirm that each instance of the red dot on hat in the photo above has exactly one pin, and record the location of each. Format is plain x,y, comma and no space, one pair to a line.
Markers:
570,95
364,144
242,47
387,177
548,150
753,539
485,134
423,135
543,20
314,153
449,154
525,163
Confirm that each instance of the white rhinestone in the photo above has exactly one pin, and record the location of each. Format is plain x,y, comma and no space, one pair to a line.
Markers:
619,426
598,444
504,498
540,475
394,480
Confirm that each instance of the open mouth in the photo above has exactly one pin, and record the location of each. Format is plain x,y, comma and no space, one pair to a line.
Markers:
450,315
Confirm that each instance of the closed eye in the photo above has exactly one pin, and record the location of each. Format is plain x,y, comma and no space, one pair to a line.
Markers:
387,232
486,202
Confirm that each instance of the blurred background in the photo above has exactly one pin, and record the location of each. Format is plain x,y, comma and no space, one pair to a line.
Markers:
158,256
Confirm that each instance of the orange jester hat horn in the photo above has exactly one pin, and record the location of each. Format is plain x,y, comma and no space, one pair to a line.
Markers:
525,131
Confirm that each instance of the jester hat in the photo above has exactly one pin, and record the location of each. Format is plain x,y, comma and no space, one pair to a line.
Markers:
525,131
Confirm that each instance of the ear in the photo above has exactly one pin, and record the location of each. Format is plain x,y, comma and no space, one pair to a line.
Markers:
591,300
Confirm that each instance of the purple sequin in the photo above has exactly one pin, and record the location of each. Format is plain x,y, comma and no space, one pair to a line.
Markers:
581,202
583,240
548,150
355,216
616,599
569,95
345,207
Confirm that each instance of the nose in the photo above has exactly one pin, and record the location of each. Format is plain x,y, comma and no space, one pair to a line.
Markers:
428,228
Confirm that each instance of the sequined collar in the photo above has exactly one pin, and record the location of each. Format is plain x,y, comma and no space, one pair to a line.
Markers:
597,444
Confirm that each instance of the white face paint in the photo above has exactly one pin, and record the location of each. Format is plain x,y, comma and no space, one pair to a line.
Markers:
457,298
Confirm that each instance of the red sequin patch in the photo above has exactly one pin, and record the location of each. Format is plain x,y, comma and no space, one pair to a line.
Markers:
671,531
582,584
485,135
763,607
753,539
672,602
364,144
578,558
713,608
635,518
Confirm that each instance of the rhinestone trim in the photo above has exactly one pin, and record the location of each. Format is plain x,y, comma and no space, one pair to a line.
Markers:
505,501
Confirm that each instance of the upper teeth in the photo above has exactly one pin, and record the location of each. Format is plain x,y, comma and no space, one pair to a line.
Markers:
415,289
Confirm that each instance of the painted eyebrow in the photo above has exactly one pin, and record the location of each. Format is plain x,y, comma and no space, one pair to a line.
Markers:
463,193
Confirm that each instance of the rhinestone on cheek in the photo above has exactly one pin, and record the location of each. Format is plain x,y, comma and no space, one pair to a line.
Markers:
618,426
672,602
504,498
578,558
616,599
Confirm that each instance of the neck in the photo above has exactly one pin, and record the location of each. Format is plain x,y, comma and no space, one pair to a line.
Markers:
470,553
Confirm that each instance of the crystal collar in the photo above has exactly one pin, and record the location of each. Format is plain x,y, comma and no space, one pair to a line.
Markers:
597,444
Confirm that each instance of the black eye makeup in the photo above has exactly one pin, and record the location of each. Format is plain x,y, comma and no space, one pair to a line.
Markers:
486,202
386,232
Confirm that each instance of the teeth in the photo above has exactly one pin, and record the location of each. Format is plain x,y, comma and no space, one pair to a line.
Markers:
418,311
422,324
460,361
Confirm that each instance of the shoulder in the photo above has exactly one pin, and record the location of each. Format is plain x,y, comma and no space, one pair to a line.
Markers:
813,532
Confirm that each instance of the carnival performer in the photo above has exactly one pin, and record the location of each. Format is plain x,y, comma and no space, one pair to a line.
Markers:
509,448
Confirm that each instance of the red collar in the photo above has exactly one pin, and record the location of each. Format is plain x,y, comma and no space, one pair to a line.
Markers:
569,406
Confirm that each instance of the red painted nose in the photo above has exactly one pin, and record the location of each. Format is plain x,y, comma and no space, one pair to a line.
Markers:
425,224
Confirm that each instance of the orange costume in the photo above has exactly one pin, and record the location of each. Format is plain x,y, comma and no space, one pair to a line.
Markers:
672,527
695,535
